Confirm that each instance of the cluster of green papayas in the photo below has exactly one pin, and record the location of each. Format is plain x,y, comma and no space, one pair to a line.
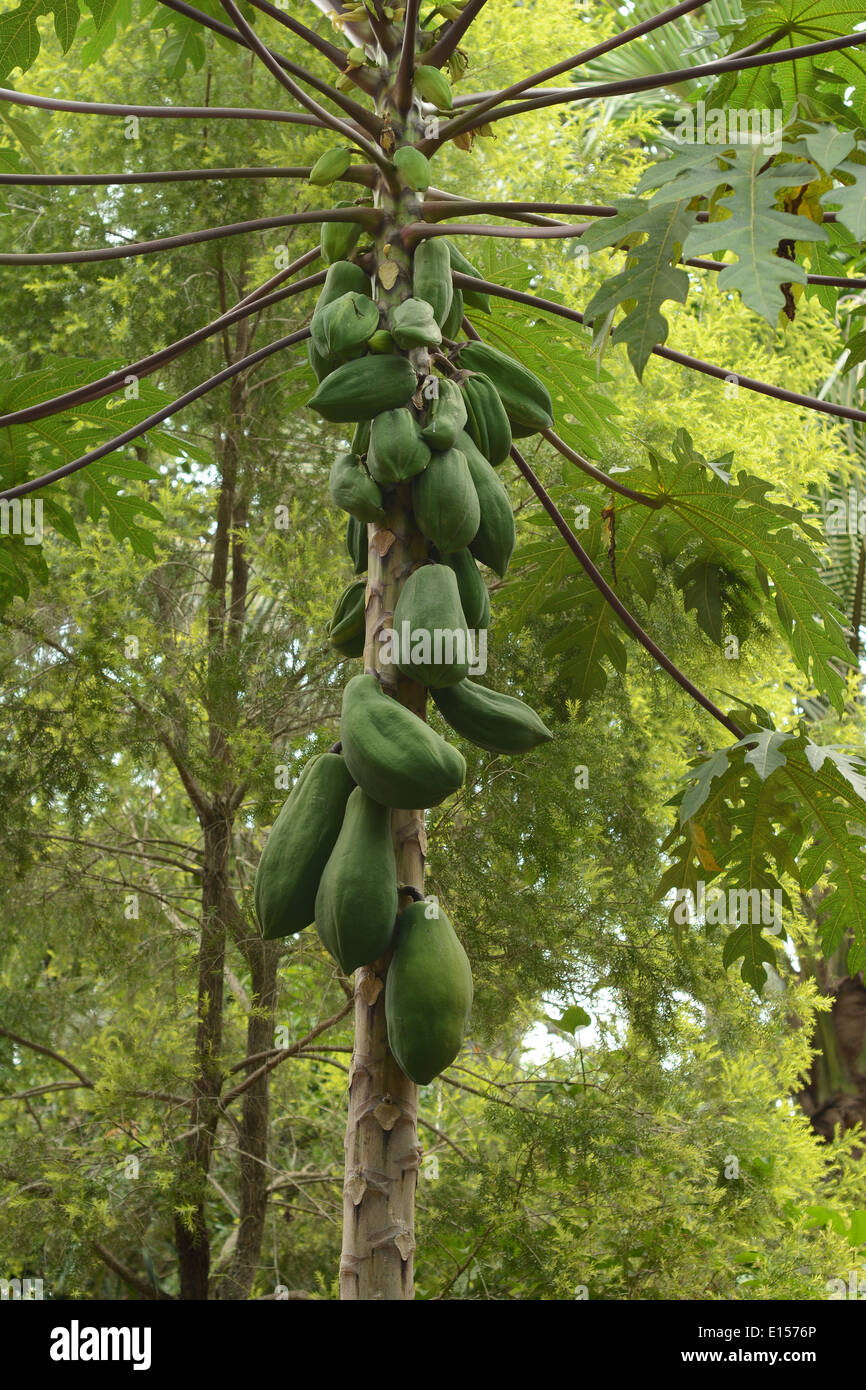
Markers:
444,438
437,439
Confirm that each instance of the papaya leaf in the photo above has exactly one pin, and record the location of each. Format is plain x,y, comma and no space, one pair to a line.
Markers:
748,942
828,146
765,753
754,228
650,276
799,816
40,446
19,36
574,1018
850,199
703,777
795,23
744,529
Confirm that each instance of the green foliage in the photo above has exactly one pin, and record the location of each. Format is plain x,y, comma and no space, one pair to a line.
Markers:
787,810
650,276
584,1137
718,539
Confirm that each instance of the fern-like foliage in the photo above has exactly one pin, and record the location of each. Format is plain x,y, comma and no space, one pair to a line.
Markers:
773,813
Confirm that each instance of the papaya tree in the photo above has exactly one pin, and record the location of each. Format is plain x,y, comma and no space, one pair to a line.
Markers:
435,368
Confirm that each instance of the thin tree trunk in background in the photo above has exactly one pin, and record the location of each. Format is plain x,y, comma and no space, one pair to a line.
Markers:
834,1097
252,1139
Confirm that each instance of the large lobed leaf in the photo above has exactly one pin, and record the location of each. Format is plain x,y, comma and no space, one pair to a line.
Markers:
776,809
715,538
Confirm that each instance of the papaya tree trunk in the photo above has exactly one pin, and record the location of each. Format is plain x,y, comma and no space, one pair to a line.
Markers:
382,1149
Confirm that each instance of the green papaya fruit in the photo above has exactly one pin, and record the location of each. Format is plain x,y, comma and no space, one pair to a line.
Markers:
445,502
359,390
391,753
431,277
299,845
338,238
525,397
396,451
454,322
382,342
428,992
343,277
476,299
486,421
493,542
361,438
413,324
352,488
356,905
347,627
357,544
414,166
446,416
474,598
499,723
330,166
321,365
433,86
341,330
431,628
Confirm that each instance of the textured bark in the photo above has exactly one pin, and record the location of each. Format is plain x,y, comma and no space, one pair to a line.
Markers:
237,1282
226,610
191,1231
382,1149
835,1097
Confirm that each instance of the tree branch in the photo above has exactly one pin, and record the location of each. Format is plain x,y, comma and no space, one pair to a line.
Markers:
445,45
244,364
419,231
435,211
324,116
616,604
328,50
47,1052
128,1276
358,173
485,115
763,388
625,617
285,1052
402,92
578,59
48,1086
184,113
119,850
348,104
368,217
145,366
573,457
